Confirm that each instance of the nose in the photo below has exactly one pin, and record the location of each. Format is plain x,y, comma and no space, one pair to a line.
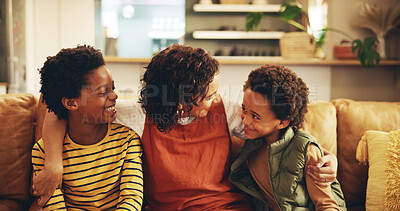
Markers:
113,95
245,119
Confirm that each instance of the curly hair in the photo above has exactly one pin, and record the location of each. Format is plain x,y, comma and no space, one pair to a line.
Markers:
287,93
176,75
64,75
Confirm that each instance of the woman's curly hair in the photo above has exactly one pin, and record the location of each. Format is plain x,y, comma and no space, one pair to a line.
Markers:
65,74
176,75
287,93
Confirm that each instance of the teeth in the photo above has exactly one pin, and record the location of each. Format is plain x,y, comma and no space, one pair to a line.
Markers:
112,108
249,129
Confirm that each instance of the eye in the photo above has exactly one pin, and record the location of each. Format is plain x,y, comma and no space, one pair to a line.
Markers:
256,117
102,93
243,109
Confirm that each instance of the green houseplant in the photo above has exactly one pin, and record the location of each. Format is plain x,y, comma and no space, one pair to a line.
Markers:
291,12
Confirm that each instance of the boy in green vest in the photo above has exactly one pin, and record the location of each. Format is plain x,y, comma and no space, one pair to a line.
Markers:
270,166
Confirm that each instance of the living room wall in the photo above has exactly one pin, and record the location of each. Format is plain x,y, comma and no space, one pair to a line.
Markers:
53,24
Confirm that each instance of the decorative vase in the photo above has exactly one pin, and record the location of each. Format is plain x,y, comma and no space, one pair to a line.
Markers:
381,46
344,51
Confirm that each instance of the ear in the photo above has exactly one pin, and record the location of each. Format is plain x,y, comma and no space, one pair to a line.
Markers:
283,124
70,103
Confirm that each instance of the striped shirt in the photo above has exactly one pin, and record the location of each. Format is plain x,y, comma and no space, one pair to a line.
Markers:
102,176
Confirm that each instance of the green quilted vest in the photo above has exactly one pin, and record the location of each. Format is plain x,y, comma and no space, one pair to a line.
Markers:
287,158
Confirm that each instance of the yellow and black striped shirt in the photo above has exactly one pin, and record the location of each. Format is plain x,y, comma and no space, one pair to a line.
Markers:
102,176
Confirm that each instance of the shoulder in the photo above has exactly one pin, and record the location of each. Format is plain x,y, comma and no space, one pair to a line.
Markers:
117,128
313,150
303,138
38,148
304,135
301,141
124,137
314,153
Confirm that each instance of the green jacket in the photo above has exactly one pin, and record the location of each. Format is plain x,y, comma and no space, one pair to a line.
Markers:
286,159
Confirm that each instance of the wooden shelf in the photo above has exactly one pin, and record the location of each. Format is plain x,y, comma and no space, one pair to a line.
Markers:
237,35
166,34
236,8
261,60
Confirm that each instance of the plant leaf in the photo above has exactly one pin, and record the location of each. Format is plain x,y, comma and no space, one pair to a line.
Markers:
290,10
253,20
320,39
366,52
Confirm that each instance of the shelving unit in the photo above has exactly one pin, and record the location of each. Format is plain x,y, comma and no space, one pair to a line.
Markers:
237,35
166,34
260,60
236,8
220,29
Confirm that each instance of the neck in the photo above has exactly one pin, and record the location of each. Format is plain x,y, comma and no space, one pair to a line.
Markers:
272,137
85,133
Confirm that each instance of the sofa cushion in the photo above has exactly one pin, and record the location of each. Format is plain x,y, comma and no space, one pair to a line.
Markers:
373,150
320,122
40,114
392,190
10,205
17,116
353,119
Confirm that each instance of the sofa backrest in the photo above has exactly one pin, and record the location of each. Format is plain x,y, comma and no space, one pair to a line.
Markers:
17,120
320,122
40,113
353,119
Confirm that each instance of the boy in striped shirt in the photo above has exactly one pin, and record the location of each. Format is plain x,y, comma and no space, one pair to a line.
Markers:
102,160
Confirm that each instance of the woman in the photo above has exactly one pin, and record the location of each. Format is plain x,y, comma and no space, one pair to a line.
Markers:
185,135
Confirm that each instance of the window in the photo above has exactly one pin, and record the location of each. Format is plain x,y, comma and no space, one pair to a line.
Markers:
138,28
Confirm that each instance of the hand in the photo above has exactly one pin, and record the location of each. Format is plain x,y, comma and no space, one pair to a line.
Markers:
324,173
35,206
45,183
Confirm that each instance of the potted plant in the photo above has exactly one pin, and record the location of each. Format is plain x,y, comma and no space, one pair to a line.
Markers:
292,13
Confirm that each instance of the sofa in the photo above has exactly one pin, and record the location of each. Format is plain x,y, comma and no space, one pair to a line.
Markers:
337,125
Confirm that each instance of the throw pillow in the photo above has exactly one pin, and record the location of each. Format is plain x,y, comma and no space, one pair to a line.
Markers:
392,192
377,148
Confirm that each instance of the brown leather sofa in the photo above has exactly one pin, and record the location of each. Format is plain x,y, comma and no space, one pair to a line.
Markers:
338,125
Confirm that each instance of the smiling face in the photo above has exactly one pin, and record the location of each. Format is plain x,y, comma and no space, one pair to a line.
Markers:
258,118
201,110
96,104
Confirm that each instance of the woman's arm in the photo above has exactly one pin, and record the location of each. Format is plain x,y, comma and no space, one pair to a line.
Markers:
325,170
46,181
321,196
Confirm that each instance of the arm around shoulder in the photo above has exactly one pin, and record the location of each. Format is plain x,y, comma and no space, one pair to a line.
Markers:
50,177
320,195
